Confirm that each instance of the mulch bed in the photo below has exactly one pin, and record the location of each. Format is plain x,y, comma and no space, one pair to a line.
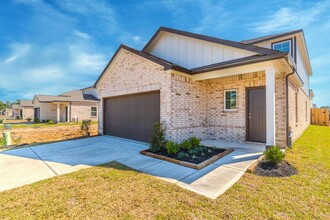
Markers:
283,169
199,157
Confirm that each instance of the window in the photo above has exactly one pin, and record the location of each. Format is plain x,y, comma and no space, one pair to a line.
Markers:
283,46
93,111
230,100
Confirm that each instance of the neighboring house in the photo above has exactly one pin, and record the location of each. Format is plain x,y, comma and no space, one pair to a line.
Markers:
254,90
15,111
26,108
75,106
8,113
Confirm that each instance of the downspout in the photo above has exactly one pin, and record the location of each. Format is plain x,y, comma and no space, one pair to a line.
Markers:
288,133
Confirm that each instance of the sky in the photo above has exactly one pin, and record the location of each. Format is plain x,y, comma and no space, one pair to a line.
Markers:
51,47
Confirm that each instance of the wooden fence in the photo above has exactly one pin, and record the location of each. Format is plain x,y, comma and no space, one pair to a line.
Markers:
320,116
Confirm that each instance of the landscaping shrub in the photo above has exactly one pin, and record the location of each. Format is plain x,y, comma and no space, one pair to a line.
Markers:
85,127
50,122
36,120
1,121
29,119
172,147
274,155
195,142
2,141
158,140
186,145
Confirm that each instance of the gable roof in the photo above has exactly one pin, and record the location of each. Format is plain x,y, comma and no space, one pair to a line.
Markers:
270,37
166,64
253,48
72,96
26,103
237,62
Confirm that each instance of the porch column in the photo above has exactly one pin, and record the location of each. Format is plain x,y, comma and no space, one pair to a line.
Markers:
58,112
68,113
270,106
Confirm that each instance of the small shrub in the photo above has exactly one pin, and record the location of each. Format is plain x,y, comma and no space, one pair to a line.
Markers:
50,122
1,121
158,140
195,142
85,127
183,154
186,145
36,120
2,141
274,155
29,119
172,147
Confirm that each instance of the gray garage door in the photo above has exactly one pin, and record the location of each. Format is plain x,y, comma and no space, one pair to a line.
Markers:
132,116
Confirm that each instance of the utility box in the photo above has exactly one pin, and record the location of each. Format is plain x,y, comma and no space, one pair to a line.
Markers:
7,138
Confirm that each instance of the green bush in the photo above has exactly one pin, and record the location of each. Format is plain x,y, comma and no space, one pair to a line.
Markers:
274,155
1,121
36,120
182,155
172,147
186,145
29,119
50,122
158,140
195,142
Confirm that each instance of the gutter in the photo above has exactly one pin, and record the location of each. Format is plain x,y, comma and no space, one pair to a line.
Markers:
288,133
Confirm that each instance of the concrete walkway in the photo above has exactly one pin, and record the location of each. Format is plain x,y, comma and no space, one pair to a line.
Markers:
27,165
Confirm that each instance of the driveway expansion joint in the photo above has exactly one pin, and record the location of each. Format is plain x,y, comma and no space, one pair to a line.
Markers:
56,174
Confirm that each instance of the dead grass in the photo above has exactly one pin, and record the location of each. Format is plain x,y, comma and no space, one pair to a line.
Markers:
115,191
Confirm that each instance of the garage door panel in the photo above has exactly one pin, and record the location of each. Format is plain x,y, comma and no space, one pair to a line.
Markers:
132,116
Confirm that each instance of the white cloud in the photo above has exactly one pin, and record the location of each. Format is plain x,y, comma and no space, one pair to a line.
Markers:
290,18
17,50
82,35
82,61
11,59
138,40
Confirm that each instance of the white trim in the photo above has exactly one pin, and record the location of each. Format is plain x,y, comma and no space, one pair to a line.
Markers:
270,106
224,101
290,46
93,111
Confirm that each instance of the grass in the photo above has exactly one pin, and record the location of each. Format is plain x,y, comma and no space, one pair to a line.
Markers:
116,191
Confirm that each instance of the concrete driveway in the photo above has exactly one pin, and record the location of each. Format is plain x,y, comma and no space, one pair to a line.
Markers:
27,165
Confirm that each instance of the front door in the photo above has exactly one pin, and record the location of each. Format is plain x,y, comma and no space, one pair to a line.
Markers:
256,114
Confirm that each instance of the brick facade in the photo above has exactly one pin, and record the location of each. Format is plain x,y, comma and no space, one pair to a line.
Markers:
299,110
188,107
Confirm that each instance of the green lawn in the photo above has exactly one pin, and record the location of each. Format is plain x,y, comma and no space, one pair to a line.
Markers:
115,191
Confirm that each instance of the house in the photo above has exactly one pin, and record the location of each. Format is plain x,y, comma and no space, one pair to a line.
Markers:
74,106
255,90
15,111
26,109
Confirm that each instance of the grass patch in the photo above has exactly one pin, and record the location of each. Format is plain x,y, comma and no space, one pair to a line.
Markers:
116,191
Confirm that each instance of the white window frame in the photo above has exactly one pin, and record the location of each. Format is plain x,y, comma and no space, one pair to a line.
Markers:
94,111
224,99
281,42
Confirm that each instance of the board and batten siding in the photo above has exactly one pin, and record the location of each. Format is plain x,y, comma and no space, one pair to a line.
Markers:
191,53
